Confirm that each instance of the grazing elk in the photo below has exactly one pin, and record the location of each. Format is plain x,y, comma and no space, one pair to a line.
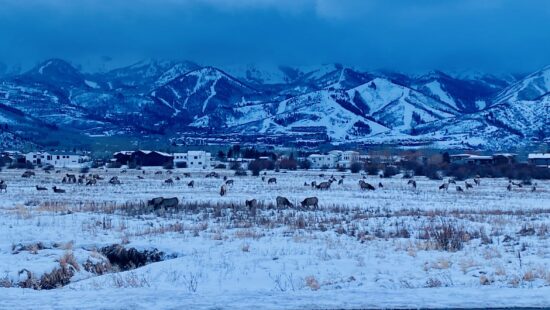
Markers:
41,188
58,190
468,185
177,178
380,185
364,185
213,174
191,184
140,177
163,203
452,181
517,184
91,182
283,202
158,172
413,183
71,178
305,184
313,184
250,204
477,181
225,178
115,181
444,186
187,174
323,185
3,186
341,182
229,182
223,190
310,202
509,187
459,189
28,174
169,182
272,180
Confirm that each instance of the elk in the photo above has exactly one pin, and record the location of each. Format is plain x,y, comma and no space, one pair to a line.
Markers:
58,190
380,185
163,203
459,189
534,187
3,186
509,187
28,174
323,185
412,182
310,202
229,182
187,174
283,202
91,182
140,177
41,188
252,203
477,181
169,182
452,181
115,181
191,184
272,180
158,172
364,185
444,186
177,178
223,190
341,182
468,185
313,184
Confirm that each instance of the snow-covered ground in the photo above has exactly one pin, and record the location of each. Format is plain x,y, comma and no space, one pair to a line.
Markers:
393,247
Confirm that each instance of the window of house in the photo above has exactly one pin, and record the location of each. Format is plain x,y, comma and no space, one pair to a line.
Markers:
195,157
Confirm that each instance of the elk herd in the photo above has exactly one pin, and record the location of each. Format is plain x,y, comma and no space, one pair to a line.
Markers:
309,203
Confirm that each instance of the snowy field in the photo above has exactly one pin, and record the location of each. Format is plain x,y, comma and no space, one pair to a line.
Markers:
396,246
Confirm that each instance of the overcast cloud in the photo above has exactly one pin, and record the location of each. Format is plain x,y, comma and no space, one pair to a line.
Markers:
405,35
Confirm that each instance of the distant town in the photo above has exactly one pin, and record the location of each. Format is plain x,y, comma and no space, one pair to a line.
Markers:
236,158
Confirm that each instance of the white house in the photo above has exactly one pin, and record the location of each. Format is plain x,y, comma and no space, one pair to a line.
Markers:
319,161
334,159
57,159
193,159
539,159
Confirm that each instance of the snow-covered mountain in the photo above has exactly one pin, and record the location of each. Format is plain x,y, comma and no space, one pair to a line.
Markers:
344,103
532,87
465,94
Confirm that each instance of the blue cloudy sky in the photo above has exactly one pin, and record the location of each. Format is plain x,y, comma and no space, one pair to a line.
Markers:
405,35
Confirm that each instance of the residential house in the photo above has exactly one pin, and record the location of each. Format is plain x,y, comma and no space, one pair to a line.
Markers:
539,159
193,159
57,159
151,158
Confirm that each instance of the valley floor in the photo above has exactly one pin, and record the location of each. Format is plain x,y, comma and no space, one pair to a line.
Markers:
395,246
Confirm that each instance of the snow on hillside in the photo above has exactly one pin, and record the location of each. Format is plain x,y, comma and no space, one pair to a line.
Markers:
399,107
531,87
